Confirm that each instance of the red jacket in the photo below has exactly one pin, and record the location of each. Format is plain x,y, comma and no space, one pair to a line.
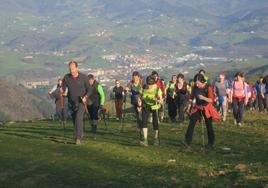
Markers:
210,112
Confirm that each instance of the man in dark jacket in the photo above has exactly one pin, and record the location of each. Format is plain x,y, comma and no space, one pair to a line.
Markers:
95,101
78,88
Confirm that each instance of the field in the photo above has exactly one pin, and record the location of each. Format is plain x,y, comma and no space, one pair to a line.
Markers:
39,154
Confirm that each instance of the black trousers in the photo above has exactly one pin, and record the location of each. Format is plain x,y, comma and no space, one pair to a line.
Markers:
146,110
77,113
181,107
238,109
172,108
138,117
93,116
193,120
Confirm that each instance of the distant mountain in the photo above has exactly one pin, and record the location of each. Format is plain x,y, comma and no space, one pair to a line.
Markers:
55,31
18,103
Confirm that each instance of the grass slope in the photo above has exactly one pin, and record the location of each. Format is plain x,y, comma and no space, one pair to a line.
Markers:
34,155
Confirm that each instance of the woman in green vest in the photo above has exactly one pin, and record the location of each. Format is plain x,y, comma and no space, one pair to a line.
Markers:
149,102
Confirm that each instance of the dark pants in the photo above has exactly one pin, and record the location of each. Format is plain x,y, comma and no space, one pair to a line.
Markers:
193,119
145,115
119,107
172,108
238,109
138,117
77,113
261,102
93,115
61,112
181,108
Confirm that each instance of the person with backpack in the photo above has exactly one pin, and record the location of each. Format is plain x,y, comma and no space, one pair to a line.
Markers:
265,81
78,88
260,90
119,94
161,86
203,96
203,72
135,87
239,97
150,102
182,96
95,102
221,91
170,99
251,96
60,101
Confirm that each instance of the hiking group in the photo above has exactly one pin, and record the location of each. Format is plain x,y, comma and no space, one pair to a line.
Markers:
198,100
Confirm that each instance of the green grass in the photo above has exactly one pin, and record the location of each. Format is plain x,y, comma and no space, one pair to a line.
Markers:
34,154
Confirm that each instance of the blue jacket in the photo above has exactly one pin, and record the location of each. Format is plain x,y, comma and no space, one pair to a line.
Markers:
257,88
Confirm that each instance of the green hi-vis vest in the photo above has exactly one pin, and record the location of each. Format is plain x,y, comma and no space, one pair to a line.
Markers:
171,88
149,96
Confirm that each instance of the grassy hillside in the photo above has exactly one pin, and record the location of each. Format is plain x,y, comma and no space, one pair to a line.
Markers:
33,154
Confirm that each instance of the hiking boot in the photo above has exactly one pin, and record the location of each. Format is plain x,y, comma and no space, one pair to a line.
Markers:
235,122
156,142
209,147
78,142
187,146
239,124
144,143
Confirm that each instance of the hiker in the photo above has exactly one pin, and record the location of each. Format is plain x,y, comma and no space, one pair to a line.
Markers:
260,90
170,99
150,102
203,72
119,94
265,81
182,97
135,87
60,101
238,97
251,96
222,91
95,102
78,88
160,85
203,97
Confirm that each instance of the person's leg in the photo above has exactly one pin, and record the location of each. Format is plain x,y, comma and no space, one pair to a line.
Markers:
181,108
210,132
189,133
120,109
156,127
79,121
235,109
59,112
224,108
241,110
145,114
116,108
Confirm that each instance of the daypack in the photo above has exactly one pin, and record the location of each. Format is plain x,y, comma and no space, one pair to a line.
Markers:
233,87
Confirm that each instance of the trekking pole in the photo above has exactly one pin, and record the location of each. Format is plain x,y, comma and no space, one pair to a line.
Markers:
123,115
104,118
157,117
203,131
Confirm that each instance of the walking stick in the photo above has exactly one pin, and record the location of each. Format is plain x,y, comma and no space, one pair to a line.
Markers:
103,117
203,131
123,115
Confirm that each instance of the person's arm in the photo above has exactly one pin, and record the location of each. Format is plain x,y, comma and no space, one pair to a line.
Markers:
102,95
210,97
53,89
160,96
